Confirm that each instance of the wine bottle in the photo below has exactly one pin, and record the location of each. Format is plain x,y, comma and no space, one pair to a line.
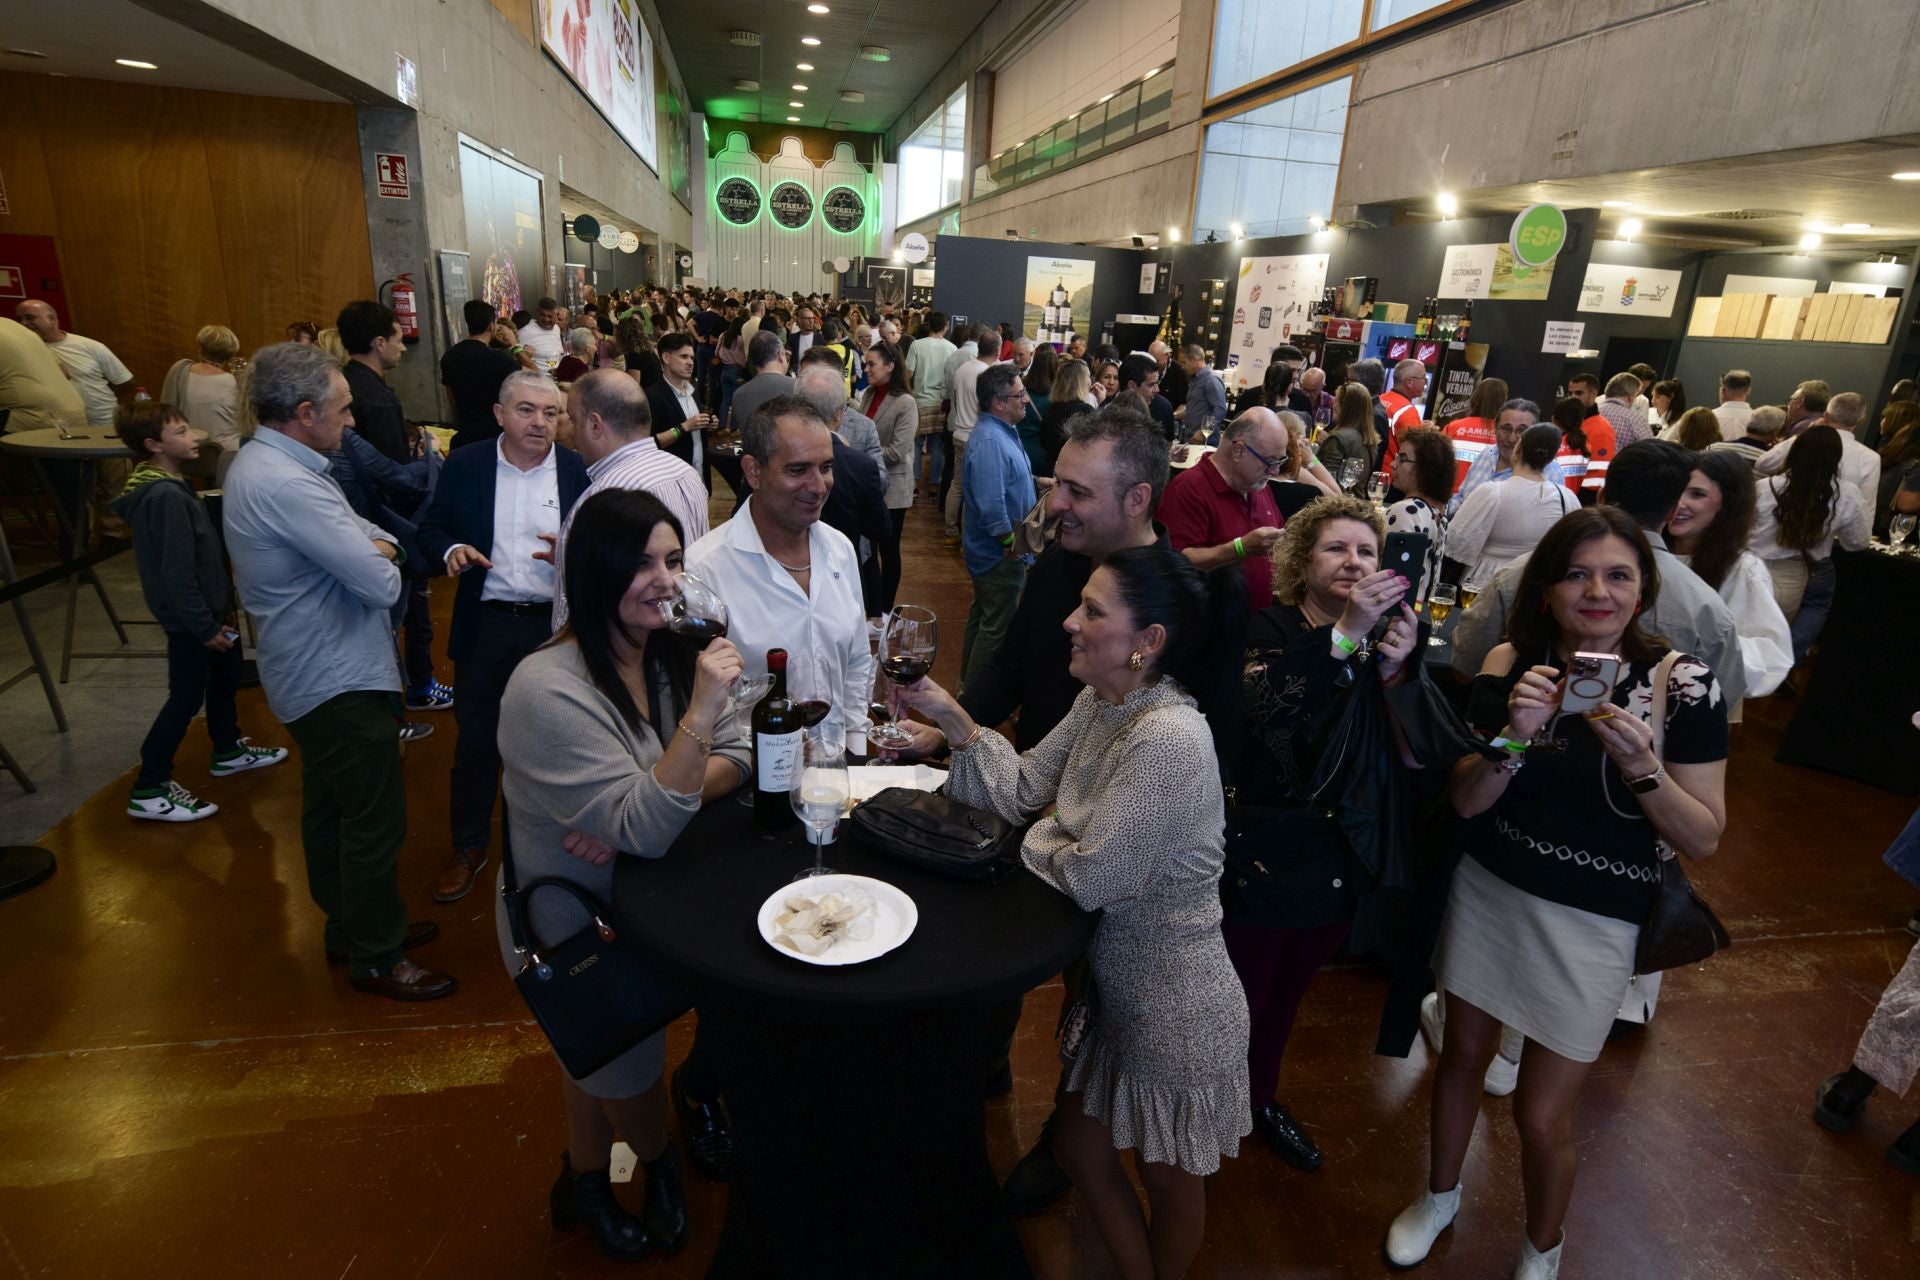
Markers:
777,726
1466,322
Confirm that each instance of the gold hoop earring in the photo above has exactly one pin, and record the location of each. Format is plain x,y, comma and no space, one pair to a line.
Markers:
1136,660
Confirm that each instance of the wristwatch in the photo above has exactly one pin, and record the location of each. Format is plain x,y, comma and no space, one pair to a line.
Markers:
1650,782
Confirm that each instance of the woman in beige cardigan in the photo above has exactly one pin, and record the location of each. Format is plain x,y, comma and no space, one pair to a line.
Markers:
889,402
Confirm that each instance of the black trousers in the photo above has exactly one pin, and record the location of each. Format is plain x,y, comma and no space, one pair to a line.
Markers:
500,641
195,674
419,637
889,556
947,478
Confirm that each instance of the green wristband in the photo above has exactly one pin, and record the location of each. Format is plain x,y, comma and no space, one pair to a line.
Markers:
1343,644
1240,548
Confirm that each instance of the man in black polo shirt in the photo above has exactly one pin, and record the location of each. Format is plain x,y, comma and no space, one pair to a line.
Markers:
472,372
1139,373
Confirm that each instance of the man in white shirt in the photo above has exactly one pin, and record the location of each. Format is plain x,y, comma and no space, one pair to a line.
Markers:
95,371
542,336
800,341
1733,410
610,414
790,581
495,515
962,394
928,361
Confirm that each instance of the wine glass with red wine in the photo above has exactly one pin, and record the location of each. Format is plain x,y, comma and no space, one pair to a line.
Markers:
810,685
698,615
907,648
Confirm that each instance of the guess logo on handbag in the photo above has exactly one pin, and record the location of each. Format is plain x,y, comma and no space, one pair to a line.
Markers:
584,965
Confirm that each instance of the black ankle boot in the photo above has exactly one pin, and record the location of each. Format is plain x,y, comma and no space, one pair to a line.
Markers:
666,1207
1290,1142
1904,1154
586,1200
1841,1099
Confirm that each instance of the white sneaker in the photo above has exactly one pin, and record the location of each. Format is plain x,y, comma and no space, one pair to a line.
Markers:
1412,1234
1432,1021
247,757
1535,1265
171,803
1503,1074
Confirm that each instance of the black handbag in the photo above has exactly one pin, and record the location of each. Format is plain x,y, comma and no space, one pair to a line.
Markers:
1680,928
937,833
1287,869
594,998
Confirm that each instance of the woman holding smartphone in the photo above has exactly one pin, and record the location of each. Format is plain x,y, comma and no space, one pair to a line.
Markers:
1545,909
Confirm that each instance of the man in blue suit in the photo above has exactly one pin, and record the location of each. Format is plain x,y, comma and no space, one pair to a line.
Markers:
493,522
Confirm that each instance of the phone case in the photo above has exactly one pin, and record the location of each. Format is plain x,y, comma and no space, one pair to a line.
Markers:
1586,691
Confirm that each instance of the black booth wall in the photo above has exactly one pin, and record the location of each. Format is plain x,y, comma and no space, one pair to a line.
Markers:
987,279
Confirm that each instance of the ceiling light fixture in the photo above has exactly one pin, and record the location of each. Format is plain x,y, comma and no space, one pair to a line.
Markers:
793,119
1616,204
1447,203
1856,226
796,104
1173,234
799,88
803,66
1237,230
1629,228
875,53
1910,175
1810,241
1317,222
25,53
745,39
818,8
746,86
810,40
136,64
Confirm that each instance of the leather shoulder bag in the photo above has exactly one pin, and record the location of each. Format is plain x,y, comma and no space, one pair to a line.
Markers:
937,833
1680,928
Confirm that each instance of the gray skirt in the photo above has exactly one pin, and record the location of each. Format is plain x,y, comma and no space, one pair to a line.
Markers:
1554,973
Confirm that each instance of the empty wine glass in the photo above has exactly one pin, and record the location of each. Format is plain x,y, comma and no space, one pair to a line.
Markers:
907,648
1899,529
821,792
1350,472
1376,488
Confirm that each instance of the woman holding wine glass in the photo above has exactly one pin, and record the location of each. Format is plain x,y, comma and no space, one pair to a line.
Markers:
614,734
1161,1068
1352,448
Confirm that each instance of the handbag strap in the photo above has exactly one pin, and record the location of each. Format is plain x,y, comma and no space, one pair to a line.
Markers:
1657,702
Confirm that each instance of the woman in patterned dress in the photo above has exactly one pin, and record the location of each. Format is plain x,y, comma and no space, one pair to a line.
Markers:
1162,1068
1544,913
1423,469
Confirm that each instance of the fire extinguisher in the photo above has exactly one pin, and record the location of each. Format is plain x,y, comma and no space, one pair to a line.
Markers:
405,304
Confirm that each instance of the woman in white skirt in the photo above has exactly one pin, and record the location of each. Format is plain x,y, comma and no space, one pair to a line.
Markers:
1546,906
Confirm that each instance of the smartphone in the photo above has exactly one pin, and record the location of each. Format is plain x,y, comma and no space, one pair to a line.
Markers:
1406,554
230,635
1590,681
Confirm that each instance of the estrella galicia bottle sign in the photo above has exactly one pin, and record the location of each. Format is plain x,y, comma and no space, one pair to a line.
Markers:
738,201
791,205
843,210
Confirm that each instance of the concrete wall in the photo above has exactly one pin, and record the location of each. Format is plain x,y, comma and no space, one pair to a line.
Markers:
1546,89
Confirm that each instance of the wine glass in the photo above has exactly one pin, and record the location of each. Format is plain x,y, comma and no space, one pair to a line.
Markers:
1899,529
821,792
907,648
810,685
1350,472
1376,488
696,613
1440,602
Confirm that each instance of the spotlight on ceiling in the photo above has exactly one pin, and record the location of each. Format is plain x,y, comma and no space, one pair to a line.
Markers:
1447,203
1911,175
818,8
1012,233
1629,228
793,119
1237,230
1317,222
1616,204
803,66
810,40
799,88
1811,240
136,64
1173,234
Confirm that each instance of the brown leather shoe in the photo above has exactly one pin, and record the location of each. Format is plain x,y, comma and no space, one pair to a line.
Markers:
419,934
407,981
456,878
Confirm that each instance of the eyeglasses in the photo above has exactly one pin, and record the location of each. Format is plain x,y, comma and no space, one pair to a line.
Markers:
1274,466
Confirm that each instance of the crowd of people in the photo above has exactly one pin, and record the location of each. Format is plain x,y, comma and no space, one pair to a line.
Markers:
1163,585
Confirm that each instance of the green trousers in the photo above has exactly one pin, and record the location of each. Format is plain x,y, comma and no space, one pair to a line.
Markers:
353,819
996,594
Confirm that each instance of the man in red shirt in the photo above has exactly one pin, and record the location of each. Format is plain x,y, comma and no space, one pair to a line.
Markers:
1220,511
1405,402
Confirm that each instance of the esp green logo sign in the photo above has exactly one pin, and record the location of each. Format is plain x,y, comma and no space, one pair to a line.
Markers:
1539,232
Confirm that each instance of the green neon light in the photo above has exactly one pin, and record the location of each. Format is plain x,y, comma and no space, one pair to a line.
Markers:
826,222
813,206
758,194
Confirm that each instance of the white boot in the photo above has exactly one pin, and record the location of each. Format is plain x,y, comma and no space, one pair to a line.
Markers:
1535,1265
1412,1234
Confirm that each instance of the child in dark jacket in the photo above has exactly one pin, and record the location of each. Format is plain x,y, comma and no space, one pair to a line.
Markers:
184,578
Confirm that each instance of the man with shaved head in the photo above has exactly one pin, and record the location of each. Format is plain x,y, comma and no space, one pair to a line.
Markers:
96,372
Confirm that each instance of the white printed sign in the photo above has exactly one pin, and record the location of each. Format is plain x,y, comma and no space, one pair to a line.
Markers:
1467,271
1563,337
1270,308
1640,291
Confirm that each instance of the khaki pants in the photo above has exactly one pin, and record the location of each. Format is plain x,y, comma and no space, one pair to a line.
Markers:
1789,583
954,479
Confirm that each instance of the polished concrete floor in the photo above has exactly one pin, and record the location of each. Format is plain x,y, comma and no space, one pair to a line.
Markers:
187,1090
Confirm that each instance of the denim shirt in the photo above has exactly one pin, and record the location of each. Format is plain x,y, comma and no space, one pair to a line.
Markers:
996,492
311,577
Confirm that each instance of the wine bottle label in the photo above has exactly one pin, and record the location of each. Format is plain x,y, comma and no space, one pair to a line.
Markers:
777,757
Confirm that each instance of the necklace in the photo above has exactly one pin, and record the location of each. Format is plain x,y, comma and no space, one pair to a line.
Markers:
793,568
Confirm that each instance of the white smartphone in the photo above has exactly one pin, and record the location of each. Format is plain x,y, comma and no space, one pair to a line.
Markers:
1590,680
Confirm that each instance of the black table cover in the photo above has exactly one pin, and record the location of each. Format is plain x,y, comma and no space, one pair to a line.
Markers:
856,1093
1855,717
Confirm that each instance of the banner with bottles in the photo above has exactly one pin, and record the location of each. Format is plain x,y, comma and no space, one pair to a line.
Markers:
1271,308
1059,299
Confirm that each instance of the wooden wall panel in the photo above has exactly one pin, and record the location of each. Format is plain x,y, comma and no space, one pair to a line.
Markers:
176,209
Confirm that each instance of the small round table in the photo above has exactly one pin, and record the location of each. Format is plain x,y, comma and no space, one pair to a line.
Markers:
856,1094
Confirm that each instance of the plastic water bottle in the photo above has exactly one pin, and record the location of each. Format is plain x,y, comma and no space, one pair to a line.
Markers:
140,396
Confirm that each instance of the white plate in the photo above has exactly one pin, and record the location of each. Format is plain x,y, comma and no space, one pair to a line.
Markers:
894,917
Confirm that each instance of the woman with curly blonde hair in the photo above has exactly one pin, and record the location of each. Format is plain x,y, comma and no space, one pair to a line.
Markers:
1303,656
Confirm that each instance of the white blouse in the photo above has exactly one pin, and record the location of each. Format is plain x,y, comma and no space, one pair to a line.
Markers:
1502,520
1850,522
1766,643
